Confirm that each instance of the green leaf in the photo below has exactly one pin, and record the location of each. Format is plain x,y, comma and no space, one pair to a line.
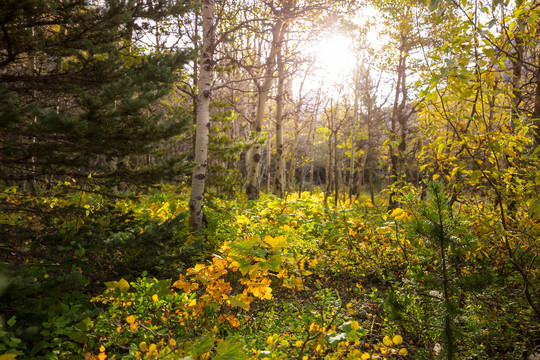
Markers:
172,207
433,5
11,320
161,288
229,350
237,303
204,344
85,325
121,285
38,346
334,339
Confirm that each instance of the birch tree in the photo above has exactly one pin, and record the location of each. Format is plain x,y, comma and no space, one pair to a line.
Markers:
203,116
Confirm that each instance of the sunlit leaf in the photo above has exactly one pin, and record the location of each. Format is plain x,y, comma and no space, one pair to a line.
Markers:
276,243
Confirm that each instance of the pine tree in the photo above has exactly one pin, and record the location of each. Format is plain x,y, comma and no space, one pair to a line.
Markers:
433,228
79,100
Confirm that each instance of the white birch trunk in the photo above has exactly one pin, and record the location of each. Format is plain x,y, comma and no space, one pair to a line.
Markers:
203,117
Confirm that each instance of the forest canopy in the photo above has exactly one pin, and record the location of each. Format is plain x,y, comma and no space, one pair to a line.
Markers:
277,179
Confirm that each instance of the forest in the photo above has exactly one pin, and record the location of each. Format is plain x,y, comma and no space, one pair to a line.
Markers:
269,179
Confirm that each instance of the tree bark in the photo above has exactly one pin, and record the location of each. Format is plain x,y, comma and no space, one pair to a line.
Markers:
254,156
279,182
397,117
203,116
353,139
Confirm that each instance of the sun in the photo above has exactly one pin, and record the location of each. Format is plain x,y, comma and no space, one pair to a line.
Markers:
334,57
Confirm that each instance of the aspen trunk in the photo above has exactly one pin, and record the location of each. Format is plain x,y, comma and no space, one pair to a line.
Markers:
203,117
353,142
397,114
254,156
279,179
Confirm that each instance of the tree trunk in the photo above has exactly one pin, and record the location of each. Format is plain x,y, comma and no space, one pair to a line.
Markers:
536,111
336,168
254,156
353,140
397,116
279,182
203,117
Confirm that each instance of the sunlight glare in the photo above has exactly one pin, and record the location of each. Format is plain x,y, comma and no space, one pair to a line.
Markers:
335,57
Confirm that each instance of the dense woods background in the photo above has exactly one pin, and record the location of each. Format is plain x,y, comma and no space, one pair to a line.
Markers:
192,180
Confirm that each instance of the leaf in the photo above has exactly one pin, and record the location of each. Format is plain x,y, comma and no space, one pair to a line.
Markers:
37,347
11,320
238,303
172,207
440,149
433,5
242,219
397,212
8,356
276,243
121,285
397,339
204,344
229,350
334,339
85,325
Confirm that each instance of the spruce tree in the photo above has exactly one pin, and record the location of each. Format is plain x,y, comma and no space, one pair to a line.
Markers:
433,229
79,101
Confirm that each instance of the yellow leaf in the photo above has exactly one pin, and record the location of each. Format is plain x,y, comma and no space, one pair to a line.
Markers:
185,285
397,212
130,319
233,320
242,219
435,176
403,352
102,355
440,149
8,356
278,242
397,339
365,356
387,341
